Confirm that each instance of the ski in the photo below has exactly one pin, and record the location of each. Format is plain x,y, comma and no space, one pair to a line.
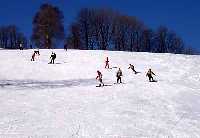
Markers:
104,85
120,83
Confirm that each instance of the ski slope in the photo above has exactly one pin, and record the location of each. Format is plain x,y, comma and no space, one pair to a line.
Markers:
38,99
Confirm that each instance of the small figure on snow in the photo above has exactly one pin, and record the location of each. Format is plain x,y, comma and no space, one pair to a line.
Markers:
20,46
107,63
133,68
65,47
53,57
37,51
33,57
31,46
99,77
150,75
119,76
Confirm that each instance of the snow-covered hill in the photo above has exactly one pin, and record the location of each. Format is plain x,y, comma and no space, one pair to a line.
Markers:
38,99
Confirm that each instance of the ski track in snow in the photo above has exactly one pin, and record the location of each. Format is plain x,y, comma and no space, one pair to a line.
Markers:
42,100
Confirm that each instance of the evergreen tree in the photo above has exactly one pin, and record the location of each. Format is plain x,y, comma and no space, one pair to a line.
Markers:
48,26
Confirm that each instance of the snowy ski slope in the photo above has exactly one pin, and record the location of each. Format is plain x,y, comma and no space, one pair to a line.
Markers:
38,99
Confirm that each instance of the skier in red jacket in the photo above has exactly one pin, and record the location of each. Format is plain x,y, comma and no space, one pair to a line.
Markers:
99,77
107,63
33,57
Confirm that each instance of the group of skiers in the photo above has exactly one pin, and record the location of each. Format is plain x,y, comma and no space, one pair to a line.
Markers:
52,57
99,77
119,74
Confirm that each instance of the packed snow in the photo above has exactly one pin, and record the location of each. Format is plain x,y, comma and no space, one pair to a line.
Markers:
38,99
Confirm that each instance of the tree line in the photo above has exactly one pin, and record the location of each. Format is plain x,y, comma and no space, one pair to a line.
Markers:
94,29
105,29
11,38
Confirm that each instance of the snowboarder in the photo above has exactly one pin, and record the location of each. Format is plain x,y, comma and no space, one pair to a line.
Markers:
107,63
119,76
99,77
149,74
33,57
133,68
53,57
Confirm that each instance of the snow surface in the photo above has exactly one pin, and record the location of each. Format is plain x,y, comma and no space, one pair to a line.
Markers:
39,100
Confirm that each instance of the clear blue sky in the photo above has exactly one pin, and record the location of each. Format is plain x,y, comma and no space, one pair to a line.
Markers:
181,16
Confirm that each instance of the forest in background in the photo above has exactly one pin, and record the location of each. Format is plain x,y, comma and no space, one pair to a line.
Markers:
94,29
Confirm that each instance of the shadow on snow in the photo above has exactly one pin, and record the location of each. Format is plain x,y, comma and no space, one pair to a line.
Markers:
34,84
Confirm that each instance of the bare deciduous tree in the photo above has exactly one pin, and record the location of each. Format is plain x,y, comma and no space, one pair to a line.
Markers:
11,38
109,30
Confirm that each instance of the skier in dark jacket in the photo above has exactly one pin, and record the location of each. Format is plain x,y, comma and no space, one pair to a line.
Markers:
133,68
37,51
107,63
119,76
150,75
53,57
99,77
65,47
20,46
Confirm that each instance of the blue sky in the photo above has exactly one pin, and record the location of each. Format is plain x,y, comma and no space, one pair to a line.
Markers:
181,16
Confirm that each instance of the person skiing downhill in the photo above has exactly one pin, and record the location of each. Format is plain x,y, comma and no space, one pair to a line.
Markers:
99,77
107,63
150,75
20,46
65,47
133,68
53,57
119,76
37,51
33,57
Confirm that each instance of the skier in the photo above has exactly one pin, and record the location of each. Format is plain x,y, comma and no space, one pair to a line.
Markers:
107,63
133,68
33,57
149,74
99,77
37,51
65,47
119,76
20,46
53,57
